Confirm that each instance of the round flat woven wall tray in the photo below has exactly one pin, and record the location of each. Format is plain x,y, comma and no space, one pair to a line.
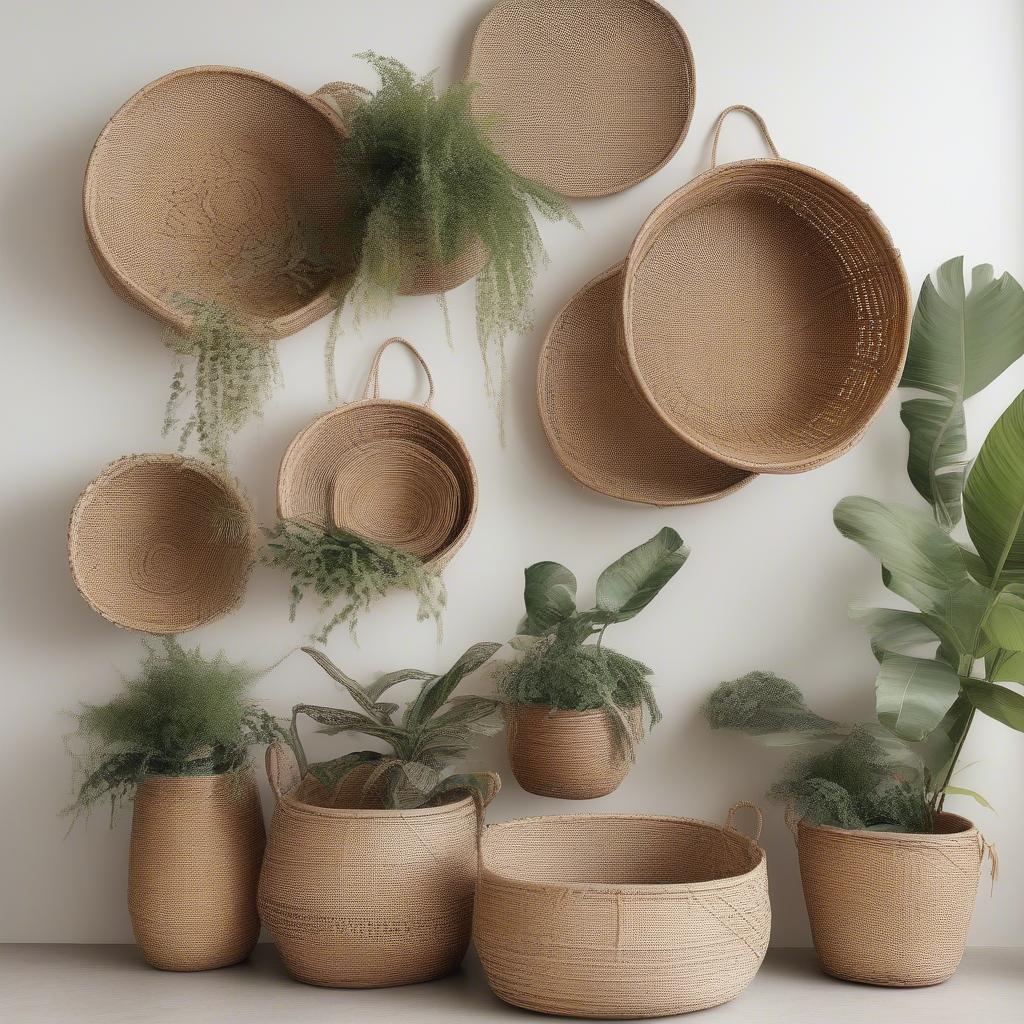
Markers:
161,543
600,427
218,185
766,313
588,97
392,471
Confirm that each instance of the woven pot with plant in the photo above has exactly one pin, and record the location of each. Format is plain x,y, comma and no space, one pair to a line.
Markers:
576,710
176,742
371,862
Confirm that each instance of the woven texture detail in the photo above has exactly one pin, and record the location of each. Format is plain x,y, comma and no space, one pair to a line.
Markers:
197,844
589,97
891,908
431,278
619,916
161,543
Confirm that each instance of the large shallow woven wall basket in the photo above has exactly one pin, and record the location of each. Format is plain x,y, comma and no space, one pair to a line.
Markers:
161,543
620,916
766,313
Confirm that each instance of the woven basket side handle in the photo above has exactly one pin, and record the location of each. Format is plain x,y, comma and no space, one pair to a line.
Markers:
372,389
730,821
342,97
282,769
758,120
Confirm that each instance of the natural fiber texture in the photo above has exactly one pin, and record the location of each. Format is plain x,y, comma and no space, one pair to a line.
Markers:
217,184
766,314
197,844
569,755
889,908
391,471
619,916
598,424
161,543
589,97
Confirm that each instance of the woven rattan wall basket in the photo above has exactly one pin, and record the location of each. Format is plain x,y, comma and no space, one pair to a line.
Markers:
620,916
588,97
766,313
161,543
217,184
392,471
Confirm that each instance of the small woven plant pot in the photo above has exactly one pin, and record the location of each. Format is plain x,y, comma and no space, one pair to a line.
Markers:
197,844
891,908
620,916
588,97
161,543
431,278
368,898
392,471
766,313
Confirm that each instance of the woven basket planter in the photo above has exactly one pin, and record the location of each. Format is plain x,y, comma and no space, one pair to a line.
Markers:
891,908
161,543
197,845
367,898
620,916
766,314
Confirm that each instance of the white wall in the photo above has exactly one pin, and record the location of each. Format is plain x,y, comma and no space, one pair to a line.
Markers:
917,105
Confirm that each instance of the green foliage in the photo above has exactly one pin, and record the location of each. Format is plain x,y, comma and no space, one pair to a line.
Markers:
765,705
182,715
342,567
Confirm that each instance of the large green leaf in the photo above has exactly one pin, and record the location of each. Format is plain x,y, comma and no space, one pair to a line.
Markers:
941,747
389,679
1005,621
998,702
358,693
549,595
893,630
436,692
1009,669
912,695
629,584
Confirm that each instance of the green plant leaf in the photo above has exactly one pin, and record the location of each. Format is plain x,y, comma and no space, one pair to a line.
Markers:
549,595
897,631
1005,620
331,773
389,679
629,584
436,692
1006,706
355,691
337,720
1008,669
960,791
912,695
940,748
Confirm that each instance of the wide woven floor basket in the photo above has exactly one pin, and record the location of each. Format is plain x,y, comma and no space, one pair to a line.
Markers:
217,184
392,471
161,543
766,313
587,97
598,424
620,916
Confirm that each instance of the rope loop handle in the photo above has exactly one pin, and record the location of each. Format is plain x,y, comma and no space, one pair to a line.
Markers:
758,120
730,821
282,768
372,389
342,98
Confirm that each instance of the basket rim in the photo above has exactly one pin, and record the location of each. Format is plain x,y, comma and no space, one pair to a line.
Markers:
384,813
281,326
637,250
969,830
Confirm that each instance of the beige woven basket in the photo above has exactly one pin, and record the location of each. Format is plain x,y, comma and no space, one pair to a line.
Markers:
392,471
891,908
215,184
197,844
766,313
620,916
588,97
597,423
161,543
367,898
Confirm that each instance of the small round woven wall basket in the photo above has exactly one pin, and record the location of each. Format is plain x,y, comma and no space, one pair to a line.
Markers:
587,97
161,543
597,423
620,916
217,185
391,471
890,908
766,313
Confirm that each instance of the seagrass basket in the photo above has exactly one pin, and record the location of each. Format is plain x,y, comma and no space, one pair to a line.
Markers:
766,313
588,97
196,849
392,471
620,916
161,543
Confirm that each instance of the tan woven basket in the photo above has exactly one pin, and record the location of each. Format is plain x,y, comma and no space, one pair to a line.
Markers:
214,184
569,755
161,543
588,97
364,898
391,471
766,313
891,908
620,916
197,845
598,424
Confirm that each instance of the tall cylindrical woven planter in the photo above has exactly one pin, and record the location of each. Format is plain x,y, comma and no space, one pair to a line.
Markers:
890,908
569,755
620,916
197,844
